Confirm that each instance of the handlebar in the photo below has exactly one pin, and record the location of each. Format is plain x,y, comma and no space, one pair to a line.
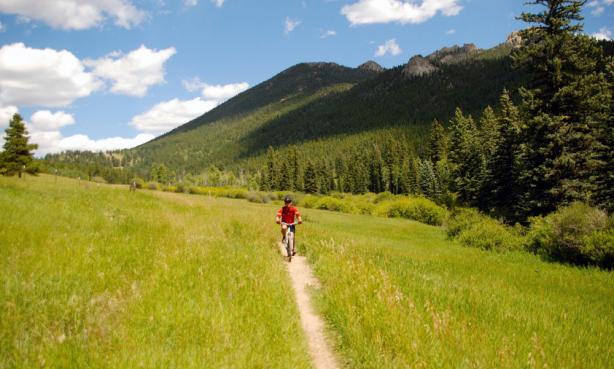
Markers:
290,224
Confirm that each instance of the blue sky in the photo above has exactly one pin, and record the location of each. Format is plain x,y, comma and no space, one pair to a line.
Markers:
106,74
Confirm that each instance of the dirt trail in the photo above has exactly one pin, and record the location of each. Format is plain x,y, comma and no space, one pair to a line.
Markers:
302,278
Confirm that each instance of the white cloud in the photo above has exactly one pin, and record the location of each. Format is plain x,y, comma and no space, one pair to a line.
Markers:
218,3
2,27
386,11
75,14
6,114
329,33
44,120
83,142
170,114
221,93
132,74
190,2
450,31
599,6
389,47
603,34
42,77
290,24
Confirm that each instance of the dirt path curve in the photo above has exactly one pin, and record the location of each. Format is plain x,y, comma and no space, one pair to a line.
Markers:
302,277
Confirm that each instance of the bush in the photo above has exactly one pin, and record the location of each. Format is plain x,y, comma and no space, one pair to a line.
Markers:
334,204
383,196
415,208
140,183
462,219
310,201
97,179
153,186
170,188
474,229
577,234
364,207
257,197
182,187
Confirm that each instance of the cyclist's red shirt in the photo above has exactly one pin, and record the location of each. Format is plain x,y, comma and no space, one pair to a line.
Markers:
287,214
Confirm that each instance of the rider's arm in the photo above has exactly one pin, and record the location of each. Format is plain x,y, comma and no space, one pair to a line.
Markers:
298,216
278,217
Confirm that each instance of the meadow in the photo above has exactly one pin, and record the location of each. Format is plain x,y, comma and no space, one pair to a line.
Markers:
95,276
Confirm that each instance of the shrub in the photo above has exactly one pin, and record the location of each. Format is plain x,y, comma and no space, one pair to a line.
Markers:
415,208
182,187
153,186
383,196
170,188
140,183
334,204
474,229
310,201
97,179
577,234
257,197
462,219
364,207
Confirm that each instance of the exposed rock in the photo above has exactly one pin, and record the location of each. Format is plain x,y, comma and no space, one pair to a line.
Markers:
454,54
514,40
371,66
418,66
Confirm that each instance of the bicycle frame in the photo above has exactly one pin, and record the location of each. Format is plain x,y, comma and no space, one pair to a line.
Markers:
289,239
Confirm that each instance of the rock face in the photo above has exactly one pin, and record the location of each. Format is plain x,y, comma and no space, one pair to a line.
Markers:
418,66
371,66
514,40
454,54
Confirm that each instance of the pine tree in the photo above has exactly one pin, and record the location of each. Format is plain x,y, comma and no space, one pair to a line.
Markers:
429,185
297,175
604,181
311,178
17,155
438,142
341,174
503,169
271,181
376,171
466,158
566,100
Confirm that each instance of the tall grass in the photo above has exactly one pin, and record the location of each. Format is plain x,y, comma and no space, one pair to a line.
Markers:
399,294
99,277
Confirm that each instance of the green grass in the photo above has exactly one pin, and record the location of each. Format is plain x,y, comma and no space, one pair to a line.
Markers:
99,277
399,294
94,276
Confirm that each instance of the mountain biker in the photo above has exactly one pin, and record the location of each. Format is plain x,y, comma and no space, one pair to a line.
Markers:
285,216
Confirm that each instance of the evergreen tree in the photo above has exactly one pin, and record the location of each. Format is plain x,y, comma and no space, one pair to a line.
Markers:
429,185
466,158
17,155
503,169
341,174
296,171
566,100
311,178
271,176
604,193
285,177
376,171
438,142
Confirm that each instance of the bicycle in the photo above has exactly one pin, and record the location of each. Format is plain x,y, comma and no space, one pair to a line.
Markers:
288,241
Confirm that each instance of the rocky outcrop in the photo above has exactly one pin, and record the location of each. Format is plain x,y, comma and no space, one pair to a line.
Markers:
514,40
454,54
418,66
371,66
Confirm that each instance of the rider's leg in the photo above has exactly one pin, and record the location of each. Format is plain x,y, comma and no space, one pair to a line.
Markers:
284,229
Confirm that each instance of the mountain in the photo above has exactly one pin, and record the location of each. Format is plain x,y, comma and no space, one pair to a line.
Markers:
326,109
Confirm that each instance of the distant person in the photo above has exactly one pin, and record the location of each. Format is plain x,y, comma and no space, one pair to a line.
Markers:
286,216
133,185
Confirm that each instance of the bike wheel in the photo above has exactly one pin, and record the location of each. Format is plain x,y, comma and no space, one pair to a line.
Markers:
288,245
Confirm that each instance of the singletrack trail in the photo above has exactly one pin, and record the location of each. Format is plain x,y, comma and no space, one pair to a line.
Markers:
302,278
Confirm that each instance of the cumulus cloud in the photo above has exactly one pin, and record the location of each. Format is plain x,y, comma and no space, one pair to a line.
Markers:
400,11
190,2
450,32
134,73
290,24
603,34
218,3
170,114
6,114
83,142
2,27
329,33
76,14
221,93
389,47
44,77
44,120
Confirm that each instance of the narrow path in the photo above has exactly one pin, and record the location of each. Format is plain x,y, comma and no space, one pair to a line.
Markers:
302,278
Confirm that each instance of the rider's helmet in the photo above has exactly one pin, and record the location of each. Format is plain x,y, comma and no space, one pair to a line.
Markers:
287,199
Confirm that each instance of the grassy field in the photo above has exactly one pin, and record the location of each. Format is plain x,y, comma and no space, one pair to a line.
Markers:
94,276
99,277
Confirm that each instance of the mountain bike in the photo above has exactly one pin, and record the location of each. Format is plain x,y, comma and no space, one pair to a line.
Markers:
288,241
